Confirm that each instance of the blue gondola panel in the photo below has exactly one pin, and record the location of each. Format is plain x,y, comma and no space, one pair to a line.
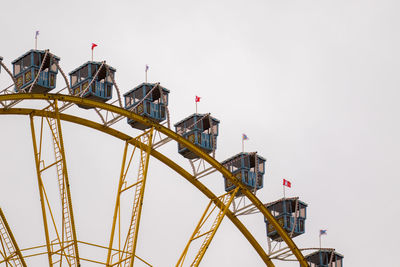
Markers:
102,86
26,68
199,129
325,258
290,213
249,168
149,100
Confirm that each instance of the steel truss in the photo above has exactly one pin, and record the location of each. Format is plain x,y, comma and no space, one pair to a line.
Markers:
126,255
53,112
9,249
64,243
275,248
223,204
285,254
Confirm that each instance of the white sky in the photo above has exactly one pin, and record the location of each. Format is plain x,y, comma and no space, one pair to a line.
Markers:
313,84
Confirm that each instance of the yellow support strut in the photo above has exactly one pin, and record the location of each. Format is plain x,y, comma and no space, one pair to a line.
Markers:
257,203
68,243
168,162
41,191
68,219
225,202
8,240
129,249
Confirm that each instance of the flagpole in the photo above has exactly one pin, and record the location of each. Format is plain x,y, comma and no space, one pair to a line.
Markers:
284,195
93,46
242,144
36,35
319,241
196,99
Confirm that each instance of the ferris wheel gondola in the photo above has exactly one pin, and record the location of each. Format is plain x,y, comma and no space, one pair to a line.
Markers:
91,87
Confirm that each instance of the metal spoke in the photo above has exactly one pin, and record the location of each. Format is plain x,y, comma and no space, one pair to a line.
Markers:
212,165
67,241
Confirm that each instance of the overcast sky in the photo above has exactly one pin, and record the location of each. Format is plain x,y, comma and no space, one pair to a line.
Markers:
313,84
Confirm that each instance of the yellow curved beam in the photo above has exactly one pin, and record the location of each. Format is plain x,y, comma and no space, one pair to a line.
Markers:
157,155
213,162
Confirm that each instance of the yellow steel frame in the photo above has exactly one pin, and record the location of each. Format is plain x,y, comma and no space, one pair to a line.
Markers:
8,243
208,235
169,133
127,256
189,177
34,254
67,241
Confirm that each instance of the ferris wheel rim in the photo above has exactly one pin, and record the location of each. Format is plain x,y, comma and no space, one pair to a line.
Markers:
156,154
168,132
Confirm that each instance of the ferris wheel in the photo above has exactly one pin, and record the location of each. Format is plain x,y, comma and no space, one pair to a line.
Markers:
33,93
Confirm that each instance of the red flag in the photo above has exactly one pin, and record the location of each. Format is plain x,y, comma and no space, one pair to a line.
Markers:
93,45
197,99
287,183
